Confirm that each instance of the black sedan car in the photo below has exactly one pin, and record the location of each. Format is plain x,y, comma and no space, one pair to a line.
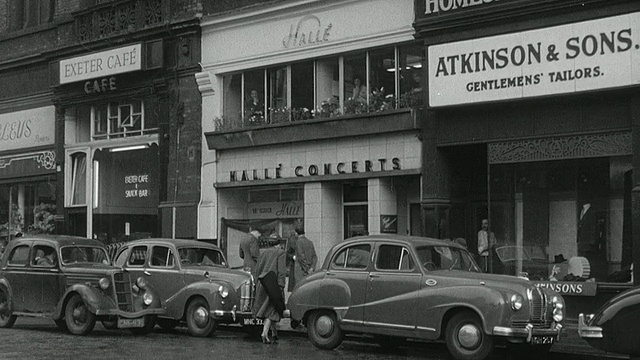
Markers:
615,326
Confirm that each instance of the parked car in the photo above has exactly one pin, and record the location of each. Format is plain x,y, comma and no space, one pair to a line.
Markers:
194,282
397,287
615,326
70,280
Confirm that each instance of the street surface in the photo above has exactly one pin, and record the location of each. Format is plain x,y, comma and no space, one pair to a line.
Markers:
36,339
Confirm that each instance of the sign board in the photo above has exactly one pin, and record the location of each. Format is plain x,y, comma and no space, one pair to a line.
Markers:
569,288
276,210
584,56
389,224
27,128
101,64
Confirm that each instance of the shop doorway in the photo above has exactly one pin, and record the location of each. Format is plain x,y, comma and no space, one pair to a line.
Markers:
356,220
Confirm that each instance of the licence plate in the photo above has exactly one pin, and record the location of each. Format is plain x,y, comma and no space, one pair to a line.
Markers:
252,322
130,323
542,340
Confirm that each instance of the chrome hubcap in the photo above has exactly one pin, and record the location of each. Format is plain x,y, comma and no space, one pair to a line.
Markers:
79,314
201,316
324,326
469,336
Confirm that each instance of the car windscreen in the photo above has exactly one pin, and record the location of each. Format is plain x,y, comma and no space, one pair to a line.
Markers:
446,258
73,254
199,256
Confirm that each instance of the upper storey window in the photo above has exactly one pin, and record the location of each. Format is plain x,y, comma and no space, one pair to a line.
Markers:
356,83
120,119
29,13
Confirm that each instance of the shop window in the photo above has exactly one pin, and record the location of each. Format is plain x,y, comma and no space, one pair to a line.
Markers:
27,208
327,88
382,79
120,119
411,75
302,91
355,84
78,189
232,98
279,110
254,98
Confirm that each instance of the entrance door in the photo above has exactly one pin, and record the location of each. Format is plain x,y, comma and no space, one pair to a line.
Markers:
356,220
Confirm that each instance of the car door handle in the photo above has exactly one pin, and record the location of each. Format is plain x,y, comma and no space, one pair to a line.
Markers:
146,273
330,273
374,276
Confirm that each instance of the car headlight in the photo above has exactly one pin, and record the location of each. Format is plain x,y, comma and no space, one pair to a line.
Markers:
147,298
516,302
141,283
104,283
223,291
558,315
557,303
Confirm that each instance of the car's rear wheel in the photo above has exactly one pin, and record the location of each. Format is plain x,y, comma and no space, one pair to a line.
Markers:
324,330
465,338
199,322
6,319
149,324
168,324
80,321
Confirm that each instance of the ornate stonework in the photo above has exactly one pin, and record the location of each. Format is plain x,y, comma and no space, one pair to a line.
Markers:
560,148
44,159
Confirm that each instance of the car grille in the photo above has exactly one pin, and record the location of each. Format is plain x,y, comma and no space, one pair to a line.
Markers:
122,288
538,302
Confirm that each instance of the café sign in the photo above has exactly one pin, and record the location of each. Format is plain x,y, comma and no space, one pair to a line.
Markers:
585,56
102,64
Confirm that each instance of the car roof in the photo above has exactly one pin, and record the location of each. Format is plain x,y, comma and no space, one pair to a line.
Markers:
175,242
407,239
61,240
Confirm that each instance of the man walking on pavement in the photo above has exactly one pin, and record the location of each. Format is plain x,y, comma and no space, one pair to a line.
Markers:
305,258
250,250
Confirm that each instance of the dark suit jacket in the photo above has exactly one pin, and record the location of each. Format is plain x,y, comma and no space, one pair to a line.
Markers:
249,251
588,232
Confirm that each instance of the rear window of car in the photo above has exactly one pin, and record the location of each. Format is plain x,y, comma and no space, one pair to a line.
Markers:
138,256
394,257
353,258
162,256
19,256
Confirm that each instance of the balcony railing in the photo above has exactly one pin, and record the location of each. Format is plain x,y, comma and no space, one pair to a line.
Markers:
119,17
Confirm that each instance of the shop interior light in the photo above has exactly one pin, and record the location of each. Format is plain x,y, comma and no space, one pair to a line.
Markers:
128,148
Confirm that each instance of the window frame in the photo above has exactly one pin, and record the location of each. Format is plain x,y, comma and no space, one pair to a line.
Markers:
346,250
13,253
404,250
170,260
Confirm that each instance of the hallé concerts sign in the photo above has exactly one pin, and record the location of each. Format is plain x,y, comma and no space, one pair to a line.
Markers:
590,55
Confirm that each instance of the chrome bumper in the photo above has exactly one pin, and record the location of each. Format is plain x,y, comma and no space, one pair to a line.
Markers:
528,332
129,315
234,316
588,331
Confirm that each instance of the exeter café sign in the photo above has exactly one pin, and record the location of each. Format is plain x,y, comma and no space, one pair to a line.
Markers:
570,58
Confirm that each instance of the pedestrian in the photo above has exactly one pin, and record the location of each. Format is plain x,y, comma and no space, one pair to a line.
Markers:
305,259
250,249
291,254
486,241
271,272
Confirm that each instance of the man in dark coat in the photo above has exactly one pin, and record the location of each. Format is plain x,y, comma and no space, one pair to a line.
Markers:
590,244
250,249
305,258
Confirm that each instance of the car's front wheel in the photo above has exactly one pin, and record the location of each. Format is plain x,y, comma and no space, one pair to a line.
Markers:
324,330
465,338
80,321
6,319
199,322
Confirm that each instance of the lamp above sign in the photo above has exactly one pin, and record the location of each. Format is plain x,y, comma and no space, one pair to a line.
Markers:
101,64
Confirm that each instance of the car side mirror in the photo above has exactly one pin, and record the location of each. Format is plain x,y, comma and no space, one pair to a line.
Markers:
206,274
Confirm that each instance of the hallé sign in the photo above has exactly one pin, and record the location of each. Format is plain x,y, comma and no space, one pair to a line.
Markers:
584,56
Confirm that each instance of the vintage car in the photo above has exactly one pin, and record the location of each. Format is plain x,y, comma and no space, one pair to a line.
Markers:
615,326
397,287
194,282
70,280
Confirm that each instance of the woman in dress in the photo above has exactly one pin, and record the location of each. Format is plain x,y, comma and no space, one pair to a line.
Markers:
271,272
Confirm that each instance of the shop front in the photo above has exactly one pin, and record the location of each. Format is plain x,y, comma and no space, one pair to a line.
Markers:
336,189
315,121
28,173
536,131
111,119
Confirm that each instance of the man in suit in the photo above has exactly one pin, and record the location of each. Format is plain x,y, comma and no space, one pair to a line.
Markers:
590,243
250,249
305,259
